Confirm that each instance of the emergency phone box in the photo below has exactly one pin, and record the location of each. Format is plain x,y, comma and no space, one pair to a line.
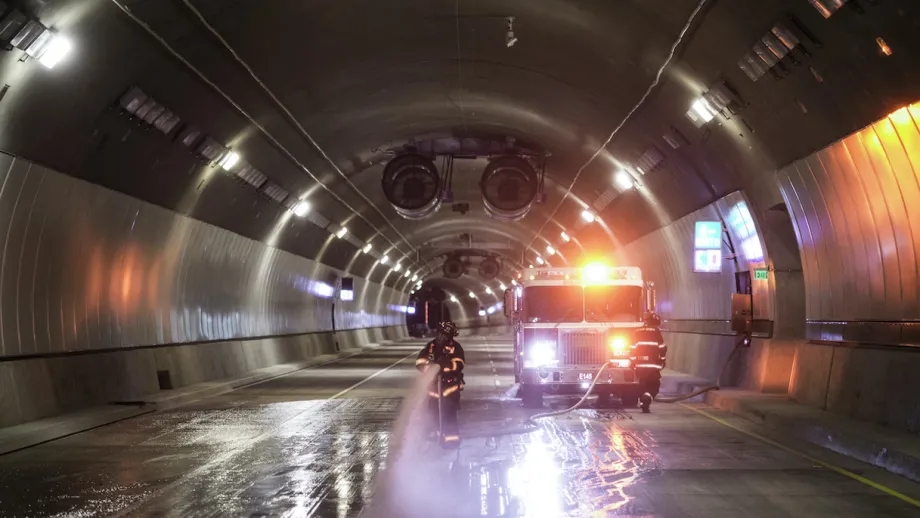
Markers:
742,313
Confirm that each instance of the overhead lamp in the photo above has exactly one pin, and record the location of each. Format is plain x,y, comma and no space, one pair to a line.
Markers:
482,312
408,273
53,51
397,267
367,248
588,216
341,233
623,180
502,286
229,160
415,277
488,290
565,237
453,299
513,282
301,209
531,266
550,250
702,111
540,260
384,259
472,295
491,310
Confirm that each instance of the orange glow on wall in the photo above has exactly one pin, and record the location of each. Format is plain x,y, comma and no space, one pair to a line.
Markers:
860,244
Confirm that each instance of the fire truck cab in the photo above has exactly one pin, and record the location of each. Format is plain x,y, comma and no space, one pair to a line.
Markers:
568,322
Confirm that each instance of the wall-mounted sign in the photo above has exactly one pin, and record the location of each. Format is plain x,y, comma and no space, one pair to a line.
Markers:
708,235
707,261
761,274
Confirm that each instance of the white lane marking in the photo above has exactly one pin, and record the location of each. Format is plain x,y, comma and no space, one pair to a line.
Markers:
372,376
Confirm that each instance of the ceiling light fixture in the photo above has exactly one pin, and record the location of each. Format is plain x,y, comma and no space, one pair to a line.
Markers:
550,250
54,51
588,216
384,259
488,290
229,160
397,267
453,299
367,248
623,181
472,295
502,286
415,277
540,260
301,209
701,111
565,237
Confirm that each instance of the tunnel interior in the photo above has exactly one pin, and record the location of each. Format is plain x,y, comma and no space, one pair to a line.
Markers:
186,183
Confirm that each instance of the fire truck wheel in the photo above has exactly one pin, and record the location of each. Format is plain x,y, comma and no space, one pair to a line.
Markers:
629,399
532,396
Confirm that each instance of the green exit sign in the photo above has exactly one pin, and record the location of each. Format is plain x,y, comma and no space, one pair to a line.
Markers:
761,274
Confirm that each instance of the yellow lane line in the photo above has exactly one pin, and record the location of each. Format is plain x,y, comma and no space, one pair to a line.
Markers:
837,469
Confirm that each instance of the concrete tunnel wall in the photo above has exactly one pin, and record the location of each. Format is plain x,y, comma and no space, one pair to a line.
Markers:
100,291
842,313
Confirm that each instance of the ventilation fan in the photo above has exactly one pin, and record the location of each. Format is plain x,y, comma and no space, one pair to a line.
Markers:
411,183
453,268
509,187
489,268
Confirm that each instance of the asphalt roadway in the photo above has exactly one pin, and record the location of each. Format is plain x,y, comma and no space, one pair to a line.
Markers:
335,441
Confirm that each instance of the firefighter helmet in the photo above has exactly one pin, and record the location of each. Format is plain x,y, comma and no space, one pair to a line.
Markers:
652,319
448,328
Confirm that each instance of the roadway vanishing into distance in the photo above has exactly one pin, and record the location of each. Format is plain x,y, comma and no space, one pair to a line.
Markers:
315,443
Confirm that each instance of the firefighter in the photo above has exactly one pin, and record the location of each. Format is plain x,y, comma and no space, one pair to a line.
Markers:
445,354
650,358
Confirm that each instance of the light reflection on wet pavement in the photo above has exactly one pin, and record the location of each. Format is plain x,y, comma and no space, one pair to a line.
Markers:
283,449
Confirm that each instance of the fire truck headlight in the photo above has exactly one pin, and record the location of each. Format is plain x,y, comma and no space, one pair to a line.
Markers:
542,353
618,346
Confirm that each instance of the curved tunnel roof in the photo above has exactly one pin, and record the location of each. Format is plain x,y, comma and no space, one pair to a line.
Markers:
315,95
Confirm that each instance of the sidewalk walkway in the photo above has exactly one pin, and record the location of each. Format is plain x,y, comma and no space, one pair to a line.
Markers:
897,452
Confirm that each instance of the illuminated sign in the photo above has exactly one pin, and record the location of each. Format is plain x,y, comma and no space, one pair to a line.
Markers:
707,261
708,235
761,275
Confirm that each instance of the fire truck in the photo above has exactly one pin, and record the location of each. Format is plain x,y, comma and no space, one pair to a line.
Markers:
568,322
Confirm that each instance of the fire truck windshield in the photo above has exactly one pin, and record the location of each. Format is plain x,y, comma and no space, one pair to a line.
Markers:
613,303
553,304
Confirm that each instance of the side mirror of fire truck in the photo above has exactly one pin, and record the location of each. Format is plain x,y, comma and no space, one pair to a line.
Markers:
509,303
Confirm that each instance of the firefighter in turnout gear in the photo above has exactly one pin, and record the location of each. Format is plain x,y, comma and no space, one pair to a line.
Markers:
651,354
446,355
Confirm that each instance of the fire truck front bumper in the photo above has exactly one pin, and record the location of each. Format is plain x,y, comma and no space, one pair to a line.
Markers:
579,375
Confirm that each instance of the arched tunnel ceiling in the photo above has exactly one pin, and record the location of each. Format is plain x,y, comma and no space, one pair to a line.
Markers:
360,77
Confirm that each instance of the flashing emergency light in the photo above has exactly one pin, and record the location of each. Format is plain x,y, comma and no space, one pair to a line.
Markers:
618,346
595,272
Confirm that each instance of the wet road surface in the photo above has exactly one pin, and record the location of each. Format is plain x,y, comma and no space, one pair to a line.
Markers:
312,444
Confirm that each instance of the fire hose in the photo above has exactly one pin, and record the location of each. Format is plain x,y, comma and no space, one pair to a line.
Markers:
533,419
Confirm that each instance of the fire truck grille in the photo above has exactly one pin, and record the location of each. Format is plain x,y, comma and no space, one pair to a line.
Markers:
583,349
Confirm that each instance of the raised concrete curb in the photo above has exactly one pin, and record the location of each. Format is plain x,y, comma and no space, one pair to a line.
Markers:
675,383
897,452
37,432
45,430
